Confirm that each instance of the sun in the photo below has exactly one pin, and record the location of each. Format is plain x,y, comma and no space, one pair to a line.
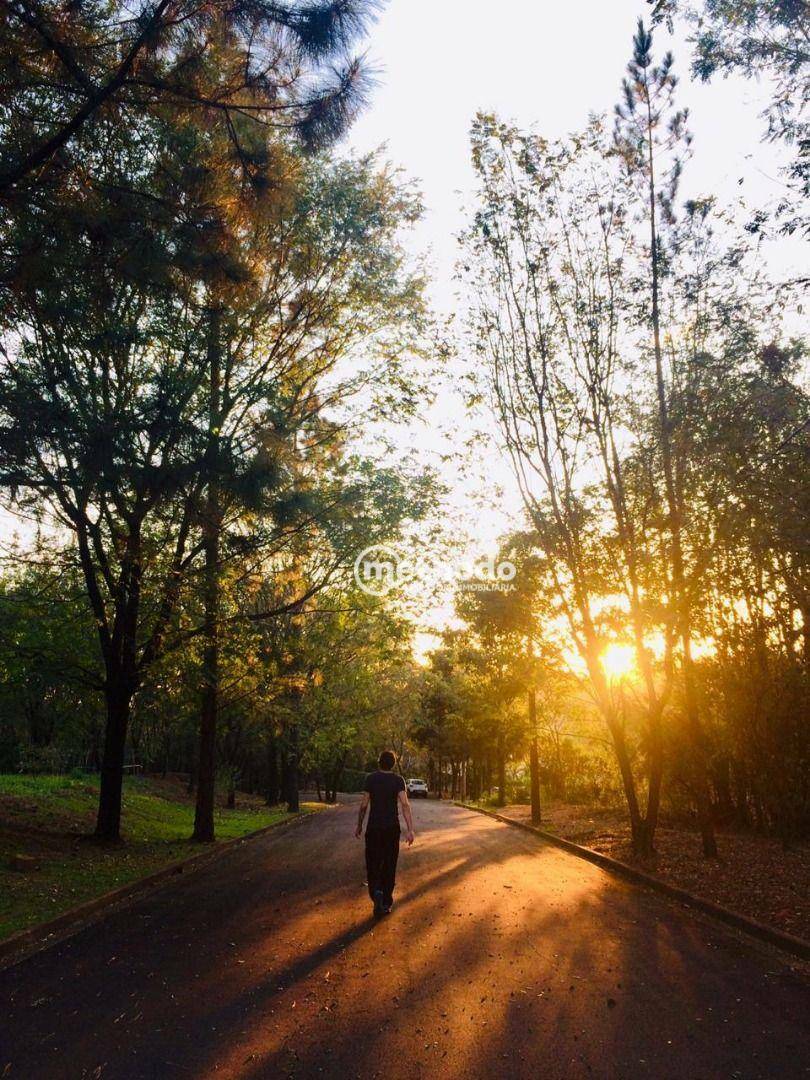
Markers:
618,660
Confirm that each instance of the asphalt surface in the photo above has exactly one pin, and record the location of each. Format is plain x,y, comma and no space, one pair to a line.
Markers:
504,957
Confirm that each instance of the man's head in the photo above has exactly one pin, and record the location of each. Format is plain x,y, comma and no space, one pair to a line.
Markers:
387,760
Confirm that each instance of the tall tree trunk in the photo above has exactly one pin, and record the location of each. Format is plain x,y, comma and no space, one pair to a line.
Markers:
121,685
211,529
271,767
206,760
285,770
108,820
534,760
501,770
681,594
656,756
721,774
291,771
638,830
337,773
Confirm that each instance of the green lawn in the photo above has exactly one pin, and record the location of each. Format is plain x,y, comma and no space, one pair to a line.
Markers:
49,817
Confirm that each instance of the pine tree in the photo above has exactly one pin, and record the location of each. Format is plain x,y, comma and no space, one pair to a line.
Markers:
67,67
652,138
770,42
137,232
280,271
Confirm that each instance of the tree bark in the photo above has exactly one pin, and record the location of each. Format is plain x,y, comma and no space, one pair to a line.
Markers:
291,772
638,827
681,595
108,820
211,527
121,685
271,778
534,760
534,779
501,770
721,775
337,773
656,754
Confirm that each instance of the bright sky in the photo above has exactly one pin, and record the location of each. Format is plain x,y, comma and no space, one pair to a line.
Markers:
438,61
542,64
546,64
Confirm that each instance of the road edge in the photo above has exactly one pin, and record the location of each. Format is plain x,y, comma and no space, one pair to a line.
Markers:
796,946
24,944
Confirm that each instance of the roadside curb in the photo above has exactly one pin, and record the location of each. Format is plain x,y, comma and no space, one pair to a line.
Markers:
26,943
794,945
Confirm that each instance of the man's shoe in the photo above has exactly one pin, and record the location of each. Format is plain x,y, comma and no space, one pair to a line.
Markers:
378,903
387,907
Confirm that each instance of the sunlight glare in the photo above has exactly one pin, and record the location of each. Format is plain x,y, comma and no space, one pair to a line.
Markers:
618,660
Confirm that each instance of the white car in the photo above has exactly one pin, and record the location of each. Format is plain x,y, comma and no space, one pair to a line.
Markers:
417,789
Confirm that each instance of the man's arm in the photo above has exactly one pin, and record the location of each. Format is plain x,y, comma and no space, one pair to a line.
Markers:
406,813
362,813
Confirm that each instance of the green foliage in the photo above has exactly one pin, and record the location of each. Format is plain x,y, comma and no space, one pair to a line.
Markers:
71,871
761,40
620,338
67,72
107,427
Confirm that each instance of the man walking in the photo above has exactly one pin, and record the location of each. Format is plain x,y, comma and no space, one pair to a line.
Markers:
385,790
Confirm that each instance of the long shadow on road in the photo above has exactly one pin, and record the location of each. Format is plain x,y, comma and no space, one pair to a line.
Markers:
549,993
503,955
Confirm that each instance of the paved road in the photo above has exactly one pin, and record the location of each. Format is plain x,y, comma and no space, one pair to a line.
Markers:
503,958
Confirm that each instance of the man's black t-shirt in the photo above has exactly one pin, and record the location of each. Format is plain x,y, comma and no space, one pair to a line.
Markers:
384,788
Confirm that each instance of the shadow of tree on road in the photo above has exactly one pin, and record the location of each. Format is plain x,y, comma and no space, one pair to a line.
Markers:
503,955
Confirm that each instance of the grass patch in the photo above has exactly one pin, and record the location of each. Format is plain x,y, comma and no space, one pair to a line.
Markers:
48,817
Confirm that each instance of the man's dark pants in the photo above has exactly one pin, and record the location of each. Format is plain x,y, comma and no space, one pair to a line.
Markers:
382,852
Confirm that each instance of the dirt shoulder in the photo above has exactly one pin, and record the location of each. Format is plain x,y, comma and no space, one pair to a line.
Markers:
754,875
